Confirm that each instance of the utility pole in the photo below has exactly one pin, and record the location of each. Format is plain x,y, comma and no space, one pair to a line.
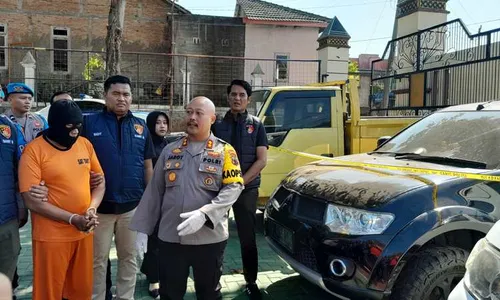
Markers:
114,36
171,75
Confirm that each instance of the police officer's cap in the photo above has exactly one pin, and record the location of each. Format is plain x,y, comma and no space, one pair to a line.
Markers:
19,88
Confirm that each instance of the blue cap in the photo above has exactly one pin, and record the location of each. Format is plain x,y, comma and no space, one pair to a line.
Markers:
19,88
2,95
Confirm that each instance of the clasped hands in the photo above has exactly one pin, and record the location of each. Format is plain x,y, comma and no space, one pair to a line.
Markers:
86,222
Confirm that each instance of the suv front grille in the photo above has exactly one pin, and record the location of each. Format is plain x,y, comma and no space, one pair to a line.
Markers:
305,255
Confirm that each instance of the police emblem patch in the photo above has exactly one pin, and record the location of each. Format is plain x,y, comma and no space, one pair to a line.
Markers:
37,124
176,151
18,88
208,181
177,165
168,165
210,144
250,129
234,157
138,128
184,142
5,131
172,176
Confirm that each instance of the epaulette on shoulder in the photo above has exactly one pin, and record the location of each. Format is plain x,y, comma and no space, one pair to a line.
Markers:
175,138
221,141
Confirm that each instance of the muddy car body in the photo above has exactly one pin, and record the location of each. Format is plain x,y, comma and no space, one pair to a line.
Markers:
378,233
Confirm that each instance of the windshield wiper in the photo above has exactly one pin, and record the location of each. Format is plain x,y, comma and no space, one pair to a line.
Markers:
390,153
456,162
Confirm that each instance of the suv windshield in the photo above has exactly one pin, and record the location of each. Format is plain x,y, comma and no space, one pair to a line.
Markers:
471,136
258,99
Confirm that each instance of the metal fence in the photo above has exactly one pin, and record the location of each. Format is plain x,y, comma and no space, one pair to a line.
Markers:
157,78
437,67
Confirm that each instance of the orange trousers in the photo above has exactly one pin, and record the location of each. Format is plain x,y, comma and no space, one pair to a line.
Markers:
63,269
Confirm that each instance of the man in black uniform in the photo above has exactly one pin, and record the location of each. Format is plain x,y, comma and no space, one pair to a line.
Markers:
248,137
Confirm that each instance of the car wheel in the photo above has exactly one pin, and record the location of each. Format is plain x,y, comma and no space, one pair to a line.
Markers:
431,275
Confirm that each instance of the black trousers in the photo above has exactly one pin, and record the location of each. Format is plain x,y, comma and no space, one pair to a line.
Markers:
244,210
206,261
151,263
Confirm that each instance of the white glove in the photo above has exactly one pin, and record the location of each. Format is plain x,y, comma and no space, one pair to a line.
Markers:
195,220
141,244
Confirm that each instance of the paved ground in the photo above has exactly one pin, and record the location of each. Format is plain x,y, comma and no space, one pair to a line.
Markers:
276,279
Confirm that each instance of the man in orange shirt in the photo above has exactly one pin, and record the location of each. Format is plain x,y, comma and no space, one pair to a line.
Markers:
61,227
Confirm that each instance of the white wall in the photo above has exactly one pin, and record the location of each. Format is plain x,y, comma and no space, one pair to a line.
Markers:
264,41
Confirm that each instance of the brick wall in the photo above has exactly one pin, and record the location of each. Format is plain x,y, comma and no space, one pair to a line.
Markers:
30,22
208,35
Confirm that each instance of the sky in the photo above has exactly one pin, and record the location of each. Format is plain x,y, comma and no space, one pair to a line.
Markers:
368,22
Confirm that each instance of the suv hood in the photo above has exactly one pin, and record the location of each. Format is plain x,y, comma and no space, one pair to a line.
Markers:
363,187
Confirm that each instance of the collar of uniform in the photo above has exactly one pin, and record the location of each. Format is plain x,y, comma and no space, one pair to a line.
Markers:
208,145
239,117
9,114
110,113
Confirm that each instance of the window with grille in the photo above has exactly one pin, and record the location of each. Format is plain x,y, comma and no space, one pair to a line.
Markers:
282,67
3,43
60,54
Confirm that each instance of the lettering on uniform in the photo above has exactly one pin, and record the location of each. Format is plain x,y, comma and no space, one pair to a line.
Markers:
175,157
82,161
212,161
97,133
232,173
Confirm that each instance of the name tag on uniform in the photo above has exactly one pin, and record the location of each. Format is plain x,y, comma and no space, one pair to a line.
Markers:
97,133
139,136
7,141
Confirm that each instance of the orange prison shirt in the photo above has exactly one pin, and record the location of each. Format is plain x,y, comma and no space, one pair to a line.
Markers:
67,176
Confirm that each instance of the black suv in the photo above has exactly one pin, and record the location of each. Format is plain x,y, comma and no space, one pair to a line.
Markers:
374,233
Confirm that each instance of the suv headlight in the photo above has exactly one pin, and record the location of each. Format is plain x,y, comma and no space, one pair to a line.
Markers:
354,221
483,271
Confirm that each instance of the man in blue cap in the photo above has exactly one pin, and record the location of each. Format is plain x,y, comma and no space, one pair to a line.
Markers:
28,124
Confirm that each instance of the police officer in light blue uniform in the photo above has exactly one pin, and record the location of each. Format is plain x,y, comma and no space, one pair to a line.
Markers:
28,124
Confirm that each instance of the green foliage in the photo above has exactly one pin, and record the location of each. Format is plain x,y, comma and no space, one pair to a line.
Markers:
94,66
353,70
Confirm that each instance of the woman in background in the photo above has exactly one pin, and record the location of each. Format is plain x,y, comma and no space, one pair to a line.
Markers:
159,127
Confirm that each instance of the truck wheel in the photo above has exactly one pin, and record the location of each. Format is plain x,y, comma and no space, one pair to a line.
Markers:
431,275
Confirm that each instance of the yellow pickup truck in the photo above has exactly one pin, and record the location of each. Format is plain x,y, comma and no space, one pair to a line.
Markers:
322,119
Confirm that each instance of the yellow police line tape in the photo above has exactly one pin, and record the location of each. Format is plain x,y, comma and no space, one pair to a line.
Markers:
393,168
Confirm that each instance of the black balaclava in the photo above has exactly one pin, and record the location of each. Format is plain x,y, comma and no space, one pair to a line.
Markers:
61,113
151,122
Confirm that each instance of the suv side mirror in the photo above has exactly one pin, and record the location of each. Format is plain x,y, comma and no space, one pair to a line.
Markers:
381,140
